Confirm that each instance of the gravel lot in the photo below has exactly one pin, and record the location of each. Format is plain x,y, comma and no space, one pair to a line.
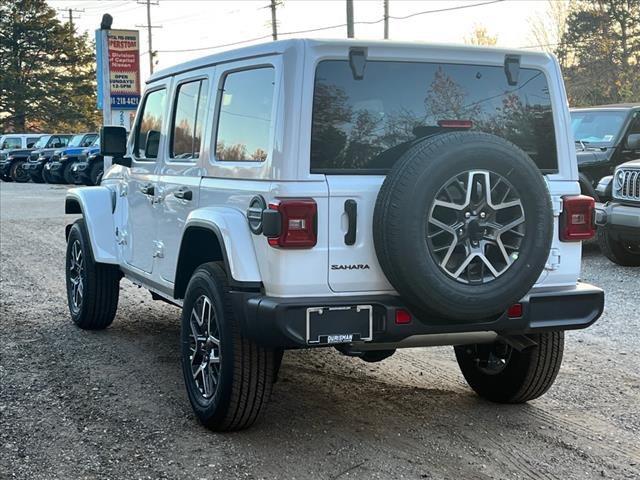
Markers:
111,404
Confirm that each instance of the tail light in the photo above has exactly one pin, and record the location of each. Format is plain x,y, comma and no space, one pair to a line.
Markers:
577,218
298,223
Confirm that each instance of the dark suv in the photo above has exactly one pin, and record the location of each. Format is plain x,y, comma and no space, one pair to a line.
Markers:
15,166
39,157
605,137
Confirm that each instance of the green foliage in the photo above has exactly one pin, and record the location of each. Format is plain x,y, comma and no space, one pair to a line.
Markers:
48,71
601,52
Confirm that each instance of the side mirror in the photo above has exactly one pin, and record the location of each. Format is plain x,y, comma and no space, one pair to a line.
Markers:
633,141
152,144
113,142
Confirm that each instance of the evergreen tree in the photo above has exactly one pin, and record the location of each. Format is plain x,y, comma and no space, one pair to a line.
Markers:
601,48
47,71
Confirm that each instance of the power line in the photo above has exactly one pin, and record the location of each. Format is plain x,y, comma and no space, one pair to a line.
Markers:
329,27
448,9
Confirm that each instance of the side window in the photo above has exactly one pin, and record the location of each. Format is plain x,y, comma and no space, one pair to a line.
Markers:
88,140
147,134
64,141
31,141
12,143
188,117
54,142
245,115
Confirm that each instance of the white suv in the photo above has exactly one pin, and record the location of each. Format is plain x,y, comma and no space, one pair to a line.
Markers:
363,195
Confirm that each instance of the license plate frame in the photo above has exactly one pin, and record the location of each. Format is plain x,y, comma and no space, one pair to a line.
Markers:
339,324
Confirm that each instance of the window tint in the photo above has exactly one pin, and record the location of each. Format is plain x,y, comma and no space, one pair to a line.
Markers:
31,141
150,121
189,116
369,123
12,143
245,115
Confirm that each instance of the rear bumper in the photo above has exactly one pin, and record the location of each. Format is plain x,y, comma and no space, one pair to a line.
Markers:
282,322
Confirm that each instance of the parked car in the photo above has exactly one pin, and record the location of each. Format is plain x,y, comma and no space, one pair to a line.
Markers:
352,200
605,136
89,168
12,167
619,219
59,167
11,142
43,150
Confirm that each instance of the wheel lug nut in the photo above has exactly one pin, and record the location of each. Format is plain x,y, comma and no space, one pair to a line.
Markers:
483,215
467,214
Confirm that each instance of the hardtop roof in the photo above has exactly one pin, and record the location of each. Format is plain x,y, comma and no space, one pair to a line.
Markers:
279,46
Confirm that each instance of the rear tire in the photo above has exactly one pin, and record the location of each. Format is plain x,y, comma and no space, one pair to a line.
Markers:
92,288
18,173
502,374
228,377
624,253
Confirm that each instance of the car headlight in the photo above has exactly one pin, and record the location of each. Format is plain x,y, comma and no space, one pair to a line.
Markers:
619,179
10,157
64,157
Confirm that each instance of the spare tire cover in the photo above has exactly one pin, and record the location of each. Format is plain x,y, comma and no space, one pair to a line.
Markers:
463,225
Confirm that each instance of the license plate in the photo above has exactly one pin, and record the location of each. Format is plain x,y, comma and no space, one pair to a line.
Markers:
335,325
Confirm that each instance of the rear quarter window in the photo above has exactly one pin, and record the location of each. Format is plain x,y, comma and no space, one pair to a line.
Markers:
367,124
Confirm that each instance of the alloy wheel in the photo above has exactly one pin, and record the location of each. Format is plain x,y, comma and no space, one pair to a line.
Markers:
204,346
76,276
476,226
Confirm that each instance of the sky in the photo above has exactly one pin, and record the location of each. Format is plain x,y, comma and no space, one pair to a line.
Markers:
198,24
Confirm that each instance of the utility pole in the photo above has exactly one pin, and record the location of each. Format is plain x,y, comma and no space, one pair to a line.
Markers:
349,18
274,24
148,26
69,18
386,19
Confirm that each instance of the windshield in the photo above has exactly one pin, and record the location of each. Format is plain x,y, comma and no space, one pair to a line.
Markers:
75,141
597,127
42,142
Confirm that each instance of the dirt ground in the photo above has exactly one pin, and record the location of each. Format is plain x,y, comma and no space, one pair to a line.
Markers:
111,404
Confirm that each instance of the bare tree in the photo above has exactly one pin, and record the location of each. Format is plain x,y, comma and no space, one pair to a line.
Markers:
548,28
480,36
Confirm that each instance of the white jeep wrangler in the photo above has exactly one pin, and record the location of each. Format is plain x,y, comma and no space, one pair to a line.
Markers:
363,195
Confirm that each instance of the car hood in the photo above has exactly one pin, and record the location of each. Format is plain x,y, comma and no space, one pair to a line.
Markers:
591,156
19,151
73,150
632,163
44,151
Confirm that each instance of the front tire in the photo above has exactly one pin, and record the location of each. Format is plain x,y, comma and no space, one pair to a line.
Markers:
502,374
18,173
47,177
95,173
228,376
67,174
92,288
619,251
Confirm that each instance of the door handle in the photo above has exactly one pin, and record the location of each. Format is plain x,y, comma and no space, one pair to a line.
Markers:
148,189
183,194
351,209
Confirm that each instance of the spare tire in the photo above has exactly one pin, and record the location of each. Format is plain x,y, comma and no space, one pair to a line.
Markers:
462,226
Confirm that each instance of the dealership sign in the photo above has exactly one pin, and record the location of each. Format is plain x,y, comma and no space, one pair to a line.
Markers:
118,74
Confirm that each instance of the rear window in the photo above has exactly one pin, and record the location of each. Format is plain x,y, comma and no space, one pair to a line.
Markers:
367,124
